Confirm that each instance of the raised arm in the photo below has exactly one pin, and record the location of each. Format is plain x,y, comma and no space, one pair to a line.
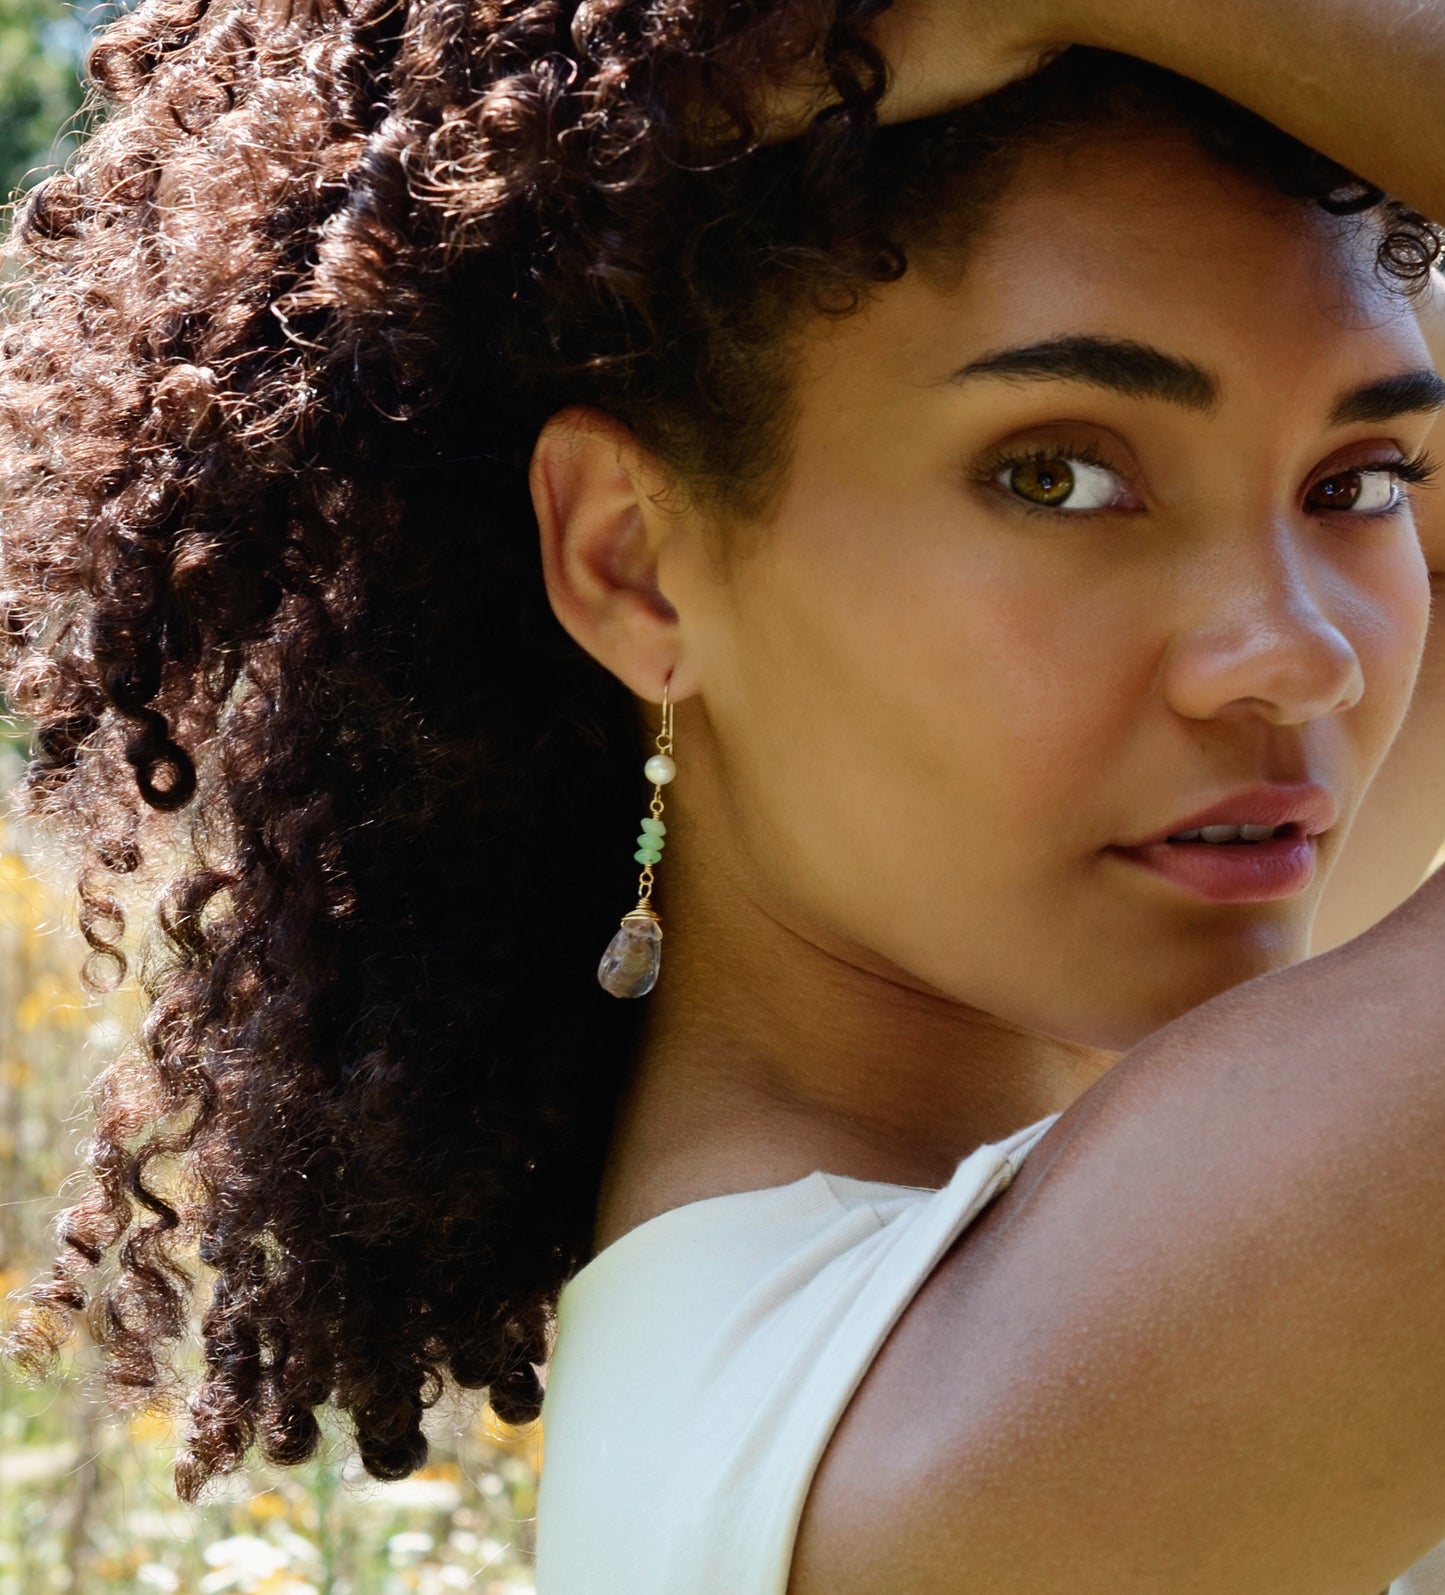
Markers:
1360,80
1199,1346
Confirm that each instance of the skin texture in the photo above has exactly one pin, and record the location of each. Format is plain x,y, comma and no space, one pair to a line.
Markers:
1235,1223
1357,79
1401,823
904,741
940,56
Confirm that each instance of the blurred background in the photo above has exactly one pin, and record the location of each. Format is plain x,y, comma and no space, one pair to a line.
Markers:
42,44
86,1501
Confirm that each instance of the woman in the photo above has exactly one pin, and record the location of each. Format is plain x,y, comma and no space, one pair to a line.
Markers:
413,408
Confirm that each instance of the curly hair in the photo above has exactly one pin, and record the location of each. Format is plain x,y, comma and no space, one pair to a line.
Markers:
284,332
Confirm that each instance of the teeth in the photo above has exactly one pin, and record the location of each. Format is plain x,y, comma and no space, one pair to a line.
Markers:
1228,833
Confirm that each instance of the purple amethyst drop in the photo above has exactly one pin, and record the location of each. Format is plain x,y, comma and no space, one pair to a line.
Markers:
630,964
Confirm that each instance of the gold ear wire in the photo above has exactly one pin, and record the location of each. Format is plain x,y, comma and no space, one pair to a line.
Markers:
634,955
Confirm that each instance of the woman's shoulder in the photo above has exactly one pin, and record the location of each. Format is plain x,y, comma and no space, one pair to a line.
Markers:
1039,1421
747,1317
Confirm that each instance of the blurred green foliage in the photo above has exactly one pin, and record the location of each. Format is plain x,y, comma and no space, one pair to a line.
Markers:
42,48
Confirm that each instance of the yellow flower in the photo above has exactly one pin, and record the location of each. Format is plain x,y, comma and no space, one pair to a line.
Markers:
283,1583
523,1441
50,1002
151,1425
266,1505
25,902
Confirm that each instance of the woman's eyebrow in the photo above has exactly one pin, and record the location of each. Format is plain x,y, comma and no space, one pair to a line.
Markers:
1410,393
1136,369
1139,370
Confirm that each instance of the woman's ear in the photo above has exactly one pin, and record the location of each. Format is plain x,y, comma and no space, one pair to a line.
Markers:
597,494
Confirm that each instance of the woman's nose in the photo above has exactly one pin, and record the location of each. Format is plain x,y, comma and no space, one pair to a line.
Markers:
1262,635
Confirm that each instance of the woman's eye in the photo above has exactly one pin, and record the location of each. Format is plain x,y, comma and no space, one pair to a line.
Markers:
1064,482
1364,491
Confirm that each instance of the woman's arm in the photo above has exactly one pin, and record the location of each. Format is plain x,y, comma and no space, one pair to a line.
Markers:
1360,80
1198,1348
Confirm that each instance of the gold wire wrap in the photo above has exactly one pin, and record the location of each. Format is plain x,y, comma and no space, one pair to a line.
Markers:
630,965
663,743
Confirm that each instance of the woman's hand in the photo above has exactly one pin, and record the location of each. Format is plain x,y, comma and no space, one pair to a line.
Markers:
945,53
940,53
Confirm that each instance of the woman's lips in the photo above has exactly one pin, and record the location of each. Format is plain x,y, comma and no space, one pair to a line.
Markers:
1230,872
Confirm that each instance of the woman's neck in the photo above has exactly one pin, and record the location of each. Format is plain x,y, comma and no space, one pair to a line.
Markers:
766,1057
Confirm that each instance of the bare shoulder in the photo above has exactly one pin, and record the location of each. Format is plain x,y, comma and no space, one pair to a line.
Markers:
1042,1421
864,1528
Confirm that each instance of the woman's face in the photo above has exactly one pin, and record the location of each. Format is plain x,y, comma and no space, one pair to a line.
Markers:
1003,622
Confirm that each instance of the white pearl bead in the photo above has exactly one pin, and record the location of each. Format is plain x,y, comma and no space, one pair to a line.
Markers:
659,769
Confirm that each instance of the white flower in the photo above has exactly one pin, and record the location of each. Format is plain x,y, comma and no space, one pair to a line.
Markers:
413,1544
438,1495
240,1562
247,1555
299,1548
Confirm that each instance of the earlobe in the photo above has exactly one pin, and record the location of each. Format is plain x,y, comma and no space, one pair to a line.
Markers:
593,488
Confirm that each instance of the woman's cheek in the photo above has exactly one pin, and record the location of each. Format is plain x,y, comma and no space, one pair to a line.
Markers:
1395,622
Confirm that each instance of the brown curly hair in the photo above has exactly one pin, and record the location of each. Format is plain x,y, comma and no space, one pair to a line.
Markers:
284,334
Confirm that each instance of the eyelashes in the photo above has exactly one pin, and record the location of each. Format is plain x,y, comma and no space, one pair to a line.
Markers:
1422,468
1038,466
1419,470
1063,492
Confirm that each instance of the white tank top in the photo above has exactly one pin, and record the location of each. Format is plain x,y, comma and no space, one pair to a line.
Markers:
703,1360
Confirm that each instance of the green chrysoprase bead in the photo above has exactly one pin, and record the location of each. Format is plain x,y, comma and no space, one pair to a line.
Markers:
655,826
652,842
646,856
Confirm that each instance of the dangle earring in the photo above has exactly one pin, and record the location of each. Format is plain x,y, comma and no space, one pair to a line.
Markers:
630,964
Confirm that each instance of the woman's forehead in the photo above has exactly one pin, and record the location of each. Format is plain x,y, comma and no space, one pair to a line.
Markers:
1144,239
